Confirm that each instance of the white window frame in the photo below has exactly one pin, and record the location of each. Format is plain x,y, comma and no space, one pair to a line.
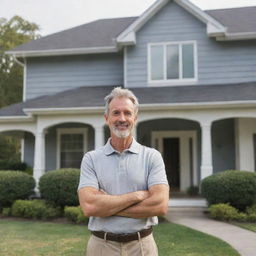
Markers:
61,131
180,81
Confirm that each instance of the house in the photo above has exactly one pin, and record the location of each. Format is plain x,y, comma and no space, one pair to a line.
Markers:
193,71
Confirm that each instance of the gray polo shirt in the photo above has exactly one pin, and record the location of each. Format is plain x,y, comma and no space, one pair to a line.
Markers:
136,168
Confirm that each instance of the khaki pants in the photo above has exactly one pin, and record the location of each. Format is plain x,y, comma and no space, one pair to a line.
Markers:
143,247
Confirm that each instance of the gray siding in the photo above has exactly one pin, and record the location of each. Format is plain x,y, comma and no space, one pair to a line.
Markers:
223,145
51,75
218,62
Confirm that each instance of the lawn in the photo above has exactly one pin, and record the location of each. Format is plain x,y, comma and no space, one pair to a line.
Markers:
25,238
249,226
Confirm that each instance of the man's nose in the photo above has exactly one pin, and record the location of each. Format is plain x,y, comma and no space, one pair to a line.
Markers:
122,117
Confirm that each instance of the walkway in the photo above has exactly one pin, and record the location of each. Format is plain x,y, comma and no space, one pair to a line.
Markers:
244,241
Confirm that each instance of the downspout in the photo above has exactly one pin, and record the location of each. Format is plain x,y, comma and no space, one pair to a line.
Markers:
16,60
23,64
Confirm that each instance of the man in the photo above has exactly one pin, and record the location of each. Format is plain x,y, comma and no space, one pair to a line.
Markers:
123,186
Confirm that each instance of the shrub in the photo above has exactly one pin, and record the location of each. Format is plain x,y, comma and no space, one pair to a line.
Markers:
13,165
75,214
228,213
35,209
6,212
238,188
251,209
251,217
15,185
223,212
60,186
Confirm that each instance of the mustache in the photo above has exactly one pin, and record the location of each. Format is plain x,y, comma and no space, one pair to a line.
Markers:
121,123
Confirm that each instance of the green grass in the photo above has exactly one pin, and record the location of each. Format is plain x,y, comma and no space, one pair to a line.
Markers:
25,238
249,226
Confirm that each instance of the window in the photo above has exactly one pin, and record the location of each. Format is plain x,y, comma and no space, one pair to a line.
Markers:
172,62
71,147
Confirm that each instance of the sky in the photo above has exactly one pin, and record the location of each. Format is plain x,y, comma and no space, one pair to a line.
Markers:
57,15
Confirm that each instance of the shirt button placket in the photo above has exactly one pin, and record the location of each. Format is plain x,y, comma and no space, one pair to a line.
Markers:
121,163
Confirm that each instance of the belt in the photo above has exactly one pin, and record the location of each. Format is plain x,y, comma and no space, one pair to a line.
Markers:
123,238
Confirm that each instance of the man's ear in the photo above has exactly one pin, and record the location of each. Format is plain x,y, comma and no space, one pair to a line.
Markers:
136,118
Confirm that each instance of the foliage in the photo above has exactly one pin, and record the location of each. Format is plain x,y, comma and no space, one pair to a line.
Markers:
15,185
251,209
13,32
75,214
60,187
9,148
12,165
6,212
223,212
35,209
229,213
238,188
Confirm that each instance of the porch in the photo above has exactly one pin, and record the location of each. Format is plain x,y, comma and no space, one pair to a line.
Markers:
194,142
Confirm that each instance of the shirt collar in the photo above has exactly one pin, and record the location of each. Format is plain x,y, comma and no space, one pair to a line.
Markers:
134,148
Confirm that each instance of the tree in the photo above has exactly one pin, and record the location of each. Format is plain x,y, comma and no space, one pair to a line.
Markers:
13,32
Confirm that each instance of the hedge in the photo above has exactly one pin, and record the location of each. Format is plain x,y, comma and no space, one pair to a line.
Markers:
238,188
60,187
15,185
35,209
13,165
227,212
75,214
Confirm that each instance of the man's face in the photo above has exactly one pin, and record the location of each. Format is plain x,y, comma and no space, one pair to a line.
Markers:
121,117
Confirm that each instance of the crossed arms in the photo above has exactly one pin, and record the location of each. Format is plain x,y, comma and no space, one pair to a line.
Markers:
138,204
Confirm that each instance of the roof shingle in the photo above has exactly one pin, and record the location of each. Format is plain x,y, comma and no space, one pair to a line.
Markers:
87,97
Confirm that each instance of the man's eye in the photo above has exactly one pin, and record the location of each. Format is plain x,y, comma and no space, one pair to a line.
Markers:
116,113
128,113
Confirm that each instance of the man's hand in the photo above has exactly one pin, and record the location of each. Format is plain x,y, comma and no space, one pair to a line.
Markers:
156,204
99,204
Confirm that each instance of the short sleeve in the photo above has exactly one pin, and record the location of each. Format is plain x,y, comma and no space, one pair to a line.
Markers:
157,173
88,177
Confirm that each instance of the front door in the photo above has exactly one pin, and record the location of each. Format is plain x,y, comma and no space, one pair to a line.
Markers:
171,158
179,151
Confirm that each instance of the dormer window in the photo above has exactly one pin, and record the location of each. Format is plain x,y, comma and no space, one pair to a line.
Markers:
172,62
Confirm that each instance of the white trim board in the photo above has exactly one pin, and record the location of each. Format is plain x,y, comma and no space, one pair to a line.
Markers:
184,136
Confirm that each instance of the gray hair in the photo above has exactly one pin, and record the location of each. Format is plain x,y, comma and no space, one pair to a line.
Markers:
119,92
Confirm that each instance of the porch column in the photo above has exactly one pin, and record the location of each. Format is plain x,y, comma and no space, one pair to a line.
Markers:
39,156
99,136
206,162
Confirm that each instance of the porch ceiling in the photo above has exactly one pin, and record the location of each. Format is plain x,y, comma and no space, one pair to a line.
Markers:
92,97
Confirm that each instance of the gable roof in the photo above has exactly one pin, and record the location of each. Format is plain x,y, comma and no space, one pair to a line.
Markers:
240,22
96,36
91,98
108,35
237,20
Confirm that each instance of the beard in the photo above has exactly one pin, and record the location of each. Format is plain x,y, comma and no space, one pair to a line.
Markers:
122,133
